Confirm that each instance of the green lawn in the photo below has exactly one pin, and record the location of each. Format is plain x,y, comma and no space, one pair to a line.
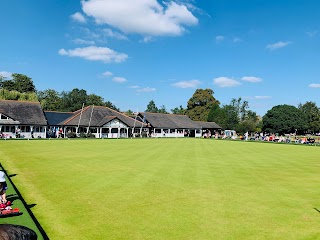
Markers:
168,188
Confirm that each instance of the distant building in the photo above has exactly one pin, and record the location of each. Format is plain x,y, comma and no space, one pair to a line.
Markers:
101,122
26,116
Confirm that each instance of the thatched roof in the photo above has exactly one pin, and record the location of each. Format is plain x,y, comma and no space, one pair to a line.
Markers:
97,116
173,121
208,125
22,112
55,118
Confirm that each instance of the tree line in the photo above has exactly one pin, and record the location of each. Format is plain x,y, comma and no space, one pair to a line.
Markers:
21,87
202,106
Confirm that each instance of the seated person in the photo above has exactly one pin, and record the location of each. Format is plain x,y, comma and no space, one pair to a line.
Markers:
3,187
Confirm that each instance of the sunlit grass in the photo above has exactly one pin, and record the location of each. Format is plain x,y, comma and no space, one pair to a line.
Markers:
168,188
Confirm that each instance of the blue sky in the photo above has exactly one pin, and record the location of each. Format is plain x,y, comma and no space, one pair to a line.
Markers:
132,51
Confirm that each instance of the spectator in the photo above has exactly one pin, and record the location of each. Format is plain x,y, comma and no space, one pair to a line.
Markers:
3,189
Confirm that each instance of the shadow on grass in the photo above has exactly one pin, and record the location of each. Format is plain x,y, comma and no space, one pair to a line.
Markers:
12,175
31,205
10,215
18,195
12,197
317,210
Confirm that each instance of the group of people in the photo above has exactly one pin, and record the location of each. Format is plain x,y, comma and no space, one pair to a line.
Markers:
288,138
55,132
12,231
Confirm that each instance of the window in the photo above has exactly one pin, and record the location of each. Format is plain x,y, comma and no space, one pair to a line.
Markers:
105,130
93,130
9,129
114,130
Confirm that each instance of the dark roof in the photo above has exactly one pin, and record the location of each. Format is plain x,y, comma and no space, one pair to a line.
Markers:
25,113
137,117
173,121
55,118
97,116
105,120
207,125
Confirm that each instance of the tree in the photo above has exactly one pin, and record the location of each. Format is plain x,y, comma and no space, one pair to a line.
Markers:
111,105
93,99
15,95
72,101
312,115
19,82
151,107
129,113
235,115
218,115
50,100
162,109
179,110
231,117
283,119
200,104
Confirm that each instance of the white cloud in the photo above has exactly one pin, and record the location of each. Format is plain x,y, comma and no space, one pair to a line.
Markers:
135,87
226,82
315,85
78,17
252,79
110,33
277,45
94,53
147,39
262,97
147,89
5,74
81,41
236,40
219,38
312,33
119,79
107,74
187,84
146,17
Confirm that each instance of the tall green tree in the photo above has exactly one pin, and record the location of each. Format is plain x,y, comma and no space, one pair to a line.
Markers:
284,119
19,82
162,109
200,104
179,110
312,115
235,115
151,107
111,105
73,100
218,115
93,99
50,100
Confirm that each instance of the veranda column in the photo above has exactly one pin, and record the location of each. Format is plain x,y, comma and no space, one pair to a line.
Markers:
31,131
